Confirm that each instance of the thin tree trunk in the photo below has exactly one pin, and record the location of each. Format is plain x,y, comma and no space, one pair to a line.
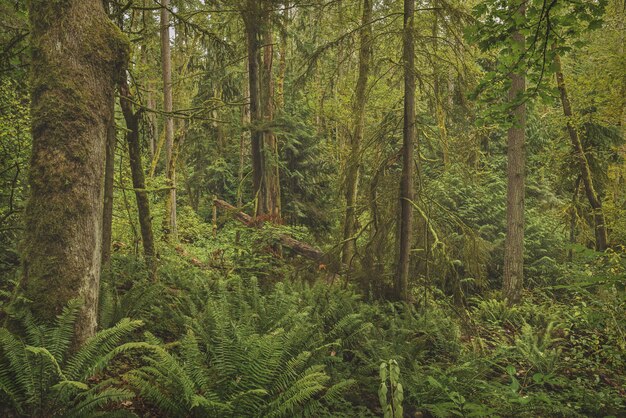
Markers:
353,169
72,91
406,182
166,63
439,109
139,181
583,163
516,137
572,224
251,22
270,144
245,137
109,176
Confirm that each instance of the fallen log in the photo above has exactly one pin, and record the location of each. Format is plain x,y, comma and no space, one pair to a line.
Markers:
298,247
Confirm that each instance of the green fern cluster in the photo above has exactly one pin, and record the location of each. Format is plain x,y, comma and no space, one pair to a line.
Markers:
40,376
244,355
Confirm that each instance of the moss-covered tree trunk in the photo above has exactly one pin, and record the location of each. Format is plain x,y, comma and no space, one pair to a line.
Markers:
139,180
583,163
77,55
401,291
109,176
166,63
270,185
353,167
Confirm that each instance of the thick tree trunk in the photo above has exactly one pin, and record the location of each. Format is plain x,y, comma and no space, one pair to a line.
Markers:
166,63
139,181
406,182
109,176
353,168
585,170
77,57
516,161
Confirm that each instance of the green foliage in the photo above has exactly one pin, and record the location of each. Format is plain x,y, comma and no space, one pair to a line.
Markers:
390,394
41,375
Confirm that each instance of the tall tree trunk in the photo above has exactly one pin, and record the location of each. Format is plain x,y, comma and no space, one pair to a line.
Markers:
439,109
251,18
585,170
243,140
516,136
72,91
271,183
573,218
139,181
166,63
353,169
406,182
109,176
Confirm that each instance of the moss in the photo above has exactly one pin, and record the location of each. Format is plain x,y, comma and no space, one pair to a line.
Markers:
76,64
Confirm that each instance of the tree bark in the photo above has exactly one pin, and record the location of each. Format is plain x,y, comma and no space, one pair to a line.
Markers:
406,182
516,136
353,168
139,180
77,57
583,163
271,185
166,63
251,18
439,109
109,176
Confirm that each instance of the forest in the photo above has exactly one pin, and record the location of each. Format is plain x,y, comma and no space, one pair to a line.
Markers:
312,208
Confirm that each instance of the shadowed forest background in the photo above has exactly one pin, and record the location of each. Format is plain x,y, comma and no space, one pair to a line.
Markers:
285,208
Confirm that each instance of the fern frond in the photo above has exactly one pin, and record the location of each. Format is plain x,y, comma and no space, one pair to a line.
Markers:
81,364
94,400
60,336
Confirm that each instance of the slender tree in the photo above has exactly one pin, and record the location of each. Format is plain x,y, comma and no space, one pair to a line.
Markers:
251,17
166,65
585,171
72,91
514,242
270,185
408,142
132,119
353,168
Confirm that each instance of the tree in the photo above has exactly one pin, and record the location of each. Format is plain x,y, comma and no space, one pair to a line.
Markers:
265,184
166,65
354,162
72,91
514,242
585,171
132,119
408,141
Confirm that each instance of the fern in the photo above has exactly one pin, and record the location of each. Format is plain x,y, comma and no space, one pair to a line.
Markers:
39,376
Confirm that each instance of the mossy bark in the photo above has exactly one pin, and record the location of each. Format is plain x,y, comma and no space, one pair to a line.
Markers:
77,57
353,166
401,291
139,181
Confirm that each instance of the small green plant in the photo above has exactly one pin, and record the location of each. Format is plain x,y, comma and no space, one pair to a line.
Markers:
391,393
